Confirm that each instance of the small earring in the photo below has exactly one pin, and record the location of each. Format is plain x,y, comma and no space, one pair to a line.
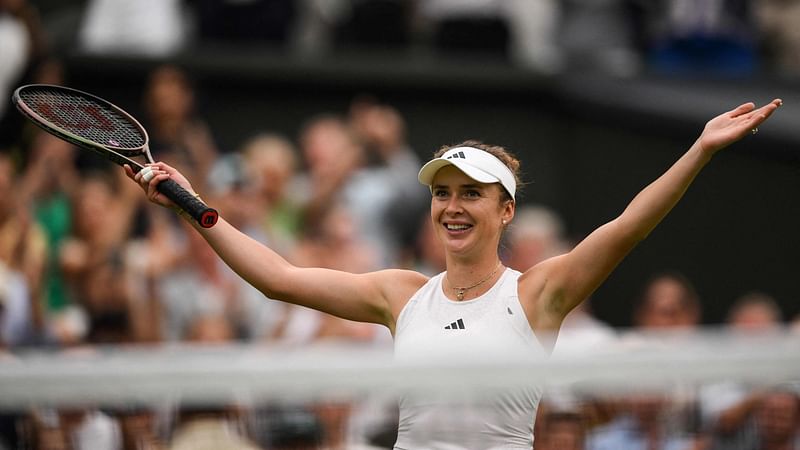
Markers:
504,221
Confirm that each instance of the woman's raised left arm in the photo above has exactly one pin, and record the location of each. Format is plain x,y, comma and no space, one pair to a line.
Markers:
572,277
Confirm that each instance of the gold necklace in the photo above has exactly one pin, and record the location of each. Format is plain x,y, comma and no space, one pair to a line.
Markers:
461,290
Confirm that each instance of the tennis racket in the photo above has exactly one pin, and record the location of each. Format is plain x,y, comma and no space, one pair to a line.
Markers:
97,125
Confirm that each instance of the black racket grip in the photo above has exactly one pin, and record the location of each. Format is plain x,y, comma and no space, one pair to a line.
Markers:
199,211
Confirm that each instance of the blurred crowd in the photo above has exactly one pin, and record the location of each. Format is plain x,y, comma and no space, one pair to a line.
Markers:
86,262
619,37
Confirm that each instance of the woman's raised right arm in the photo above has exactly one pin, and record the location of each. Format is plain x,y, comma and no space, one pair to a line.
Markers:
375,297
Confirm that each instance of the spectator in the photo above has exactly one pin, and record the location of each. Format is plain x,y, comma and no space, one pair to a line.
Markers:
139,428
199,295
669,302
23,253
90,429
74,429
777,421
644,424
93,257
537,234
46,185
286,428
252,315
755,311
147,258
390,220
270,166
232,188
210,429
331,155
668,305
177,132
362,164
15,317
336,236
772,424
337,175
726,407
561,430
47,179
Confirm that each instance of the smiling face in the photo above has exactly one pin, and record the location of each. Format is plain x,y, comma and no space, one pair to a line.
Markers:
468,216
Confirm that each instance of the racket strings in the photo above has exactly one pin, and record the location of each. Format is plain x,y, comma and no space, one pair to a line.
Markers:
86,118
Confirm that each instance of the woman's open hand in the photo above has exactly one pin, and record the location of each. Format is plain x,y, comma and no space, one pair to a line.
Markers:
731,126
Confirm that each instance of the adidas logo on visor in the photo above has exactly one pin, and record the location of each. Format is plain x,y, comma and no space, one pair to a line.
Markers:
457,155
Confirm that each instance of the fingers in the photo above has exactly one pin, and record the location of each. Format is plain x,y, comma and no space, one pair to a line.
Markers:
742,109
148,178
148,174
761,114
750,107
770,107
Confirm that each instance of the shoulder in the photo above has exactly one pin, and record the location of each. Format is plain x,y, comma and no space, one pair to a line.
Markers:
400,281
399,286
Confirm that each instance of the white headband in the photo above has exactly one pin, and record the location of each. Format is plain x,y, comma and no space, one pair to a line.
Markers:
477,164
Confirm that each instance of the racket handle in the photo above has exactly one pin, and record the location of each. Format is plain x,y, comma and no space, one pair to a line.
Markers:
199,211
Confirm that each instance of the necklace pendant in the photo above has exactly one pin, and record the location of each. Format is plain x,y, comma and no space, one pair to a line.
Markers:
461,290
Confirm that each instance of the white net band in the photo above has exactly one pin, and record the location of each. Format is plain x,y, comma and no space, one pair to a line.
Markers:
245,374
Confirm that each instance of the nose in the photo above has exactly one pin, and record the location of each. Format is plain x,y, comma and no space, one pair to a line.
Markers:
454,205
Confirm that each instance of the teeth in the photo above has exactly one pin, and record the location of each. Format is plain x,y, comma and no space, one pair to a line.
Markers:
456,227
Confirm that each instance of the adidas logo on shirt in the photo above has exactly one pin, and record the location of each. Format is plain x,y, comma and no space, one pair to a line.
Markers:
457,325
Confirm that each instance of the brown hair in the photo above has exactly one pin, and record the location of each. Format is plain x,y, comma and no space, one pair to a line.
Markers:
498,151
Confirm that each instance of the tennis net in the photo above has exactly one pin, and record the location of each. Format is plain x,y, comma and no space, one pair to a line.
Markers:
712,389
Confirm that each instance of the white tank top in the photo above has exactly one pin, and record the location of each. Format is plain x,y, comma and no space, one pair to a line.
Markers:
432,327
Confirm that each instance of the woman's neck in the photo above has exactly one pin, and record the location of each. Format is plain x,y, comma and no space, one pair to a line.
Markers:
463,271
465,280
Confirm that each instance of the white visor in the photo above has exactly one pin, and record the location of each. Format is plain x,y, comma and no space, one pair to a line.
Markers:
477,164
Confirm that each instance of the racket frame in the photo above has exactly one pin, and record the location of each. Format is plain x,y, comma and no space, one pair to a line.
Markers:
205,216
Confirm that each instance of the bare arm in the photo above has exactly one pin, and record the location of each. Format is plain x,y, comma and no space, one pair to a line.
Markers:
557,285
358,297
375,297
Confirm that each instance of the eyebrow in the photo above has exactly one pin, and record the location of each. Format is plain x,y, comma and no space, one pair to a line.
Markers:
462,186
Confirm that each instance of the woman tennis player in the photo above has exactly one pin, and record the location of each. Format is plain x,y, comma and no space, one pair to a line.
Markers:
476,305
